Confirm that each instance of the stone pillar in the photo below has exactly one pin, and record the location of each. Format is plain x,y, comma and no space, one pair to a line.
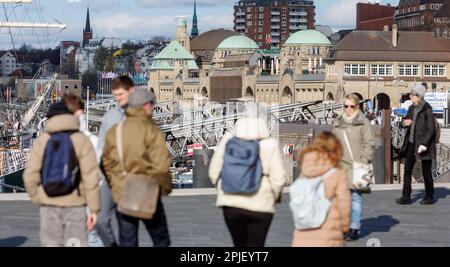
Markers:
272,67
202,159
277,66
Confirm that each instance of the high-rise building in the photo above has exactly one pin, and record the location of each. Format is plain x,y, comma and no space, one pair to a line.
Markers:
441,23
417,15
270,23
87,31
374,16
194,31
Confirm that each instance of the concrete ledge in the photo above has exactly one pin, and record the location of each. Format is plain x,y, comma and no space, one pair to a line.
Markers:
212,191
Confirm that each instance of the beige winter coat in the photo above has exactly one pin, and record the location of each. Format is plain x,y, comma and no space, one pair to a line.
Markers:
271,187
331,233
361,139
89,186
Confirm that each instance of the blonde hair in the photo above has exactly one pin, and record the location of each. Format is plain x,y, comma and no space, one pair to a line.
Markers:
354,98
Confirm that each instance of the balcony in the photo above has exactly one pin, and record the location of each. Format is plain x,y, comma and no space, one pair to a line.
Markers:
298,20
240,13
275,27
275,20
275,40
240,27
240,20
275,13
275,33
296,13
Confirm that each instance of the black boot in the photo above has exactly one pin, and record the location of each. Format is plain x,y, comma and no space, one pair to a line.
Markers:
404,201
352,235
428,200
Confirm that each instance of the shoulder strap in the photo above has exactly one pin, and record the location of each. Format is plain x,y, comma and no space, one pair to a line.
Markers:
119,144
347,143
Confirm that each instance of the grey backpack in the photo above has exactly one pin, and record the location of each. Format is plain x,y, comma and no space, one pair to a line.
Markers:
308,203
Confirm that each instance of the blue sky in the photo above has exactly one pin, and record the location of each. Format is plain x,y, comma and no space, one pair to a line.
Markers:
143,19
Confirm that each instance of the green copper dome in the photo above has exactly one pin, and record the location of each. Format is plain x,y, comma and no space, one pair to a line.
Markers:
182,23
238,42
308,37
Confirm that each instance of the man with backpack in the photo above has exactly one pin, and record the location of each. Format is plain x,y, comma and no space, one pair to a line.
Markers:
121,88
136,163
420,144
62,178
76,106
248,172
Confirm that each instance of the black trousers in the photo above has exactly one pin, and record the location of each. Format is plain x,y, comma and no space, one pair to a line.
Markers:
156,227
426,172
247,228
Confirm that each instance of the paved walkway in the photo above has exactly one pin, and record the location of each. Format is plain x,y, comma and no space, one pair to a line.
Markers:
194,221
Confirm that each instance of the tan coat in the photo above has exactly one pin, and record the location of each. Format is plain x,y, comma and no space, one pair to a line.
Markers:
89,186
361,139
331,233
144,150
271,187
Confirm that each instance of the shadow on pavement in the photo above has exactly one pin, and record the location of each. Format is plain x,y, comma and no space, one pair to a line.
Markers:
439,193
14,241
380,224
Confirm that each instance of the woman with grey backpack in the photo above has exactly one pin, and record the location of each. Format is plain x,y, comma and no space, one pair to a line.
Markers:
353,130
320,198
249,175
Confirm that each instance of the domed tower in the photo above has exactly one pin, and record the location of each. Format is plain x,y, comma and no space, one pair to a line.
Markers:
182,35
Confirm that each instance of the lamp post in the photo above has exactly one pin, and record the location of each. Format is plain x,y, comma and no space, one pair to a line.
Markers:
87,107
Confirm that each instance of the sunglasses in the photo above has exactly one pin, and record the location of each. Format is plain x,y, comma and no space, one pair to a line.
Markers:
351,106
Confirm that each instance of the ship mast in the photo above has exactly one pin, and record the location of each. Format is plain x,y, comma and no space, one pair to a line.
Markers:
28,25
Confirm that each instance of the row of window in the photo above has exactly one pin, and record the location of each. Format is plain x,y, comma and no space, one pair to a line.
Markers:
403,70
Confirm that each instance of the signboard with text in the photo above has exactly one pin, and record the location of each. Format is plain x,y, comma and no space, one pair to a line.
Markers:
438,101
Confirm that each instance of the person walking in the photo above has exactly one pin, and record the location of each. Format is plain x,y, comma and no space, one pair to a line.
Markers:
320,165
248,172
121,88
135,154
420,144
63,195
353,128
76,106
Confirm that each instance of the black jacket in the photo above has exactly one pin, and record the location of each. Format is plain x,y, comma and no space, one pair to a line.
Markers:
424,134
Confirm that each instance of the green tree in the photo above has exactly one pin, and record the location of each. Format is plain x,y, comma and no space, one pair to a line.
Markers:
101,58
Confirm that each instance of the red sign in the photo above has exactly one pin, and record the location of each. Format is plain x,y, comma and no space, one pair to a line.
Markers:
288,150
193,147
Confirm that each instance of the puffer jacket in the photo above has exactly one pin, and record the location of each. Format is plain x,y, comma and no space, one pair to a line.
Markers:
89,186
361,139
331,233
144,152
271,186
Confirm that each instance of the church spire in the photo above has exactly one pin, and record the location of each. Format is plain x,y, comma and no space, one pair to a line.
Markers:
194,31
88,22
87,31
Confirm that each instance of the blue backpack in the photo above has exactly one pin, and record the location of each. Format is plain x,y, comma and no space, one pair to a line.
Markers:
242,168
60,171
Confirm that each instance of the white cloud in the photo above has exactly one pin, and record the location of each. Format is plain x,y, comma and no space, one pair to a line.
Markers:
125,25
341,13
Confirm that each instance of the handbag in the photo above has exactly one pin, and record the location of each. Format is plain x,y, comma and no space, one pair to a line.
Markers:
363,175
140,194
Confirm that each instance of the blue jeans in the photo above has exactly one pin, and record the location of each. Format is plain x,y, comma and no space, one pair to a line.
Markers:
357,203
107,209
94,240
